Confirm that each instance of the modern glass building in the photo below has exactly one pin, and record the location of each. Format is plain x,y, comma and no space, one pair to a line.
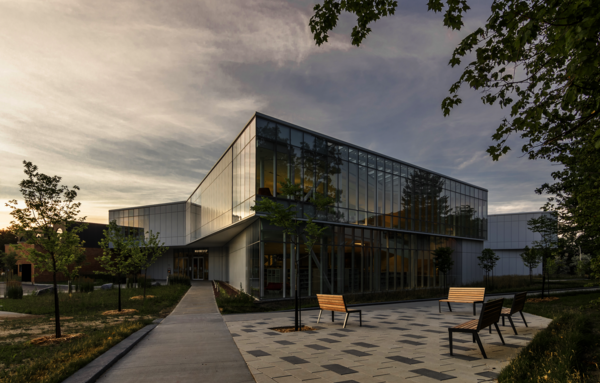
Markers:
388,218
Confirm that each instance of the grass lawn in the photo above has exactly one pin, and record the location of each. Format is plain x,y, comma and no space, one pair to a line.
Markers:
21,361
568,350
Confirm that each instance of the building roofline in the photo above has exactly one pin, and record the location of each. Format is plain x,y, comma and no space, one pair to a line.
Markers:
521,212
145,206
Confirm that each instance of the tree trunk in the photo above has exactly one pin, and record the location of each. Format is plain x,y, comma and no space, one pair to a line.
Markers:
145,283
296,299
119,283
543,277
56,306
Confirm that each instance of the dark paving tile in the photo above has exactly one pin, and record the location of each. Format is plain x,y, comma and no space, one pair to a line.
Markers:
404,360
398,328
248,330
338,335
309,332
433,374
284,342
356,352
317,347
348,381
258,353
248,326
234,334
461,348
418,324
488,374
294,360
345,330
339,369
261,323
388,322
506,345
413,336
366,345
327,340
412,343
368,326
454,340
451,323
435,331
519,337
272,333
462,357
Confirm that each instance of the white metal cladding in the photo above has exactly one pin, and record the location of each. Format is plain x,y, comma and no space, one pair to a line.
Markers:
238,261
218,265
158,270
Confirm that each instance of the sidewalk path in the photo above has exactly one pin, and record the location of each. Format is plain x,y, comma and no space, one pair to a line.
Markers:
192,344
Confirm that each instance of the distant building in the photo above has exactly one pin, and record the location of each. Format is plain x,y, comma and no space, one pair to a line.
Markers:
389,218
508,234
92,236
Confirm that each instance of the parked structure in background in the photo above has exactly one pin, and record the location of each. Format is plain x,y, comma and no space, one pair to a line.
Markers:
92,236
389,218
508,234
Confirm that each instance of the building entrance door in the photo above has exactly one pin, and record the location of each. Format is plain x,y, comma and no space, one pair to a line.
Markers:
198,268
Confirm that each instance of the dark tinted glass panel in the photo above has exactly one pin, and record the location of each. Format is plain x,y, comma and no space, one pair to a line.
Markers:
362,158
388,166
343,152
296,137
353,186
352,155
372,160
266,128
380,164
309,141
320,145
283,134
396,168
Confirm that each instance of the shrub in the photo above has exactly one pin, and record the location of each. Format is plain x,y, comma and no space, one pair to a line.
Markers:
14,290
180,279
84,285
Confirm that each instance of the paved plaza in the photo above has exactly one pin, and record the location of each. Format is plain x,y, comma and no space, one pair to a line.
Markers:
397,342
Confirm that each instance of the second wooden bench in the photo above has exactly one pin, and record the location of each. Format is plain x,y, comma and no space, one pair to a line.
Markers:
335,303
464,295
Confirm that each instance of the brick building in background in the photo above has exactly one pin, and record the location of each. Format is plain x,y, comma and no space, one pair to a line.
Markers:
91,236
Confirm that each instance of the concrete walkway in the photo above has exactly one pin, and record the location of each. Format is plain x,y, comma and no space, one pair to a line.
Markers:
192,344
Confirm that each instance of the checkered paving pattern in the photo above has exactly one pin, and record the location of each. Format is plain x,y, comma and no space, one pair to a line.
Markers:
407,343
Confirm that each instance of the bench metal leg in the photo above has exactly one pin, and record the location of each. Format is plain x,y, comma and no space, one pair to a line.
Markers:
450,308
523,316
473,337
360,315
440,306
346,320
512,324
499,333
319,318
332,318
474,311
480,345
490,329
503,324
450,339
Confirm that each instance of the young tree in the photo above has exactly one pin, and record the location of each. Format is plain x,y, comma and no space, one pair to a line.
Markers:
145,252
531,259
442,257
8,261
72,272
48,208
547,226
118,247
295,230
487,261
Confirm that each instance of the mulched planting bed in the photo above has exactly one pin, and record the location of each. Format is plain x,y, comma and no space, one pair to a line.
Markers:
538,300
51,339
138,297
122,312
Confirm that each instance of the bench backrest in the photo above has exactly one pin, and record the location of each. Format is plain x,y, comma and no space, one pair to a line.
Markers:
466,293
332,302
490,313
518,302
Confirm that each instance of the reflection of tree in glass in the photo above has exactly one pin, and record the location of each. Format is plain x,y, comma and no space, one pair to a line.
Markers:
320,162
424,192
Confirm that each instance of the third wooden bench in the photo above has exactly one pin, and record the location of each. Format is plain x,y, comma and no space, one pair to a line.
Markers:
335,303
464,295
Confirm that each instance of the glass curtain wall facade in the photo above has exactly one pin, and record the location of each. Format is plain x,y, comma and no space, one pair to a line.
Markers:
227,192
394,216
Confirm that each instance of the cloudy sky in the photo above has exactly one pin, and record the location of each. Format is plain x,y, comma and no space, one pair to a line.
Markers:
134,101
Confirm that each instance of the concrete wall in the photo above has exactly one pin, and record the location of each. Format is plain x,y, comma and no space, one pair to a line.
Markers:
470,250
508,234
238,261
218,265
158,270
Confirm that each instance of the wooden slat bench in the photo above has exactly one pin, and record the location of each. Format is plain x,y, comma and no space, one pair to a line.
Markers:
335,303
490,314
464,295
517,306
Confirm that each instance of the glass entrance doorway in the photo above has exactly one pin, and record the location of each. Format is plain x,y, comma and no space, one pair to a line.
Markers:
198,268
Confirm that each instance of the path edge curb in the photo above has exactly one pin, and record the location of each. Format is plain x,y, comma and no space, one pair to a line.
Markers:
93,370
